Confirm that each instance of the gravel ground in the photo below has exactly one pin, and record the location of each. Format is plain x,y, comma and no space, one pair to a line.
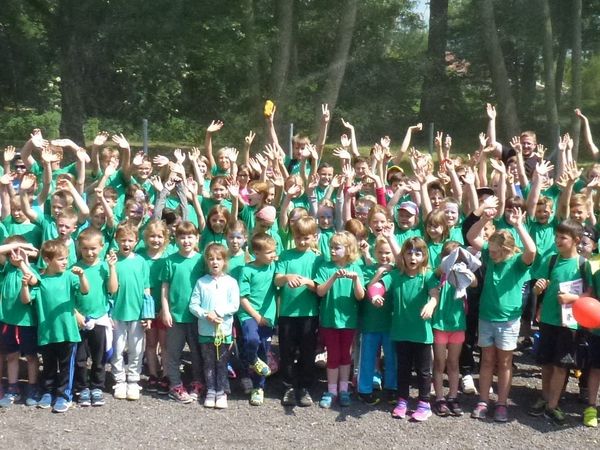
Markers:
155,422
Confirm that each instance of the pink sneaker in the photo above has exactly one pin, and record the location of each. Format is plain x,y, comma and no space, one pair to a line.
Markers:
399,411
422,413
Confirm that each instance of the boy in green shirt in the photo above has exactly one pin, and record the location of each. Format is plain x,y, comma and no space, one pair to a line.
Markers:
298,313
258,311
54,302
179,276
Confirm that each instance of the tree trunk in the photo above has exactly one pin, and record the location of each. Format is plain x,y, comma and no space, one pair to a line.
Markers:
281,62
71,76
252,60
549,80
506,102
527,90
576,74
337,67
434,70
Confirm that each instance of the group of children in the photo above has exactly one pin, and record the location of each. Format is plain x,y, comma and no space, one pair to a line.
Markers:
120,258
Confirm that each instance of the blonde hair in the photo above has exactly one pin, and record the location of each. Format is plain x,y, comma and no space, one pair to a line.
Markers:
349,242
506,241
159,227
437,217
414,243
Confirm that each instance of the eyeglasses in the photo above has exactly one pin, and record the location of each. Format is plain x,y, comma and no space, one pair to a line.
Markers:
20,168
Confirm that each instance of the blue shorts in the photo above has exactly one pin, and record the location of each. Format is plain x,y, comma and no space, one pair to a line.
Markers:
503,335
16,338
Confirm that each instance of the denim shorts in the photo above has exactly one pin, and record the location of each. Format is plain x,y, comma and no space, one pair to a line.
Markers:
503,335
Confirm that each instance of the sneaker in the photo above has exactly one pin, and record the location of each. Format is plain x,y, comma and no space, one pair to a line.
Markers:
321,360
9,399
344,398
422,413
33,395
480,411
399,411
133,391
590,417
97,397
289,397
196,390
152,384
441,409
210,399
326,400
257,397
45,402
377,384
179,394
556,415
468,385
369,399
537,409
454,407
85,398
247,385
221,402
162,386
261,368
120,391
61,405
501,413
304,398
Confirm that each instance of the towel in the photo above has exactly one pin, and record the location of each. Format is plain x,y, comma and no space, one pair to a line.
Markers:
459,274
108,327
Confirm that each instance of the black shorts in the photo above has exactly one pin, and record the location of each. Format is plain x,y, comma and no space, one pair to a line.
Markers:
557,346
16,338
594,351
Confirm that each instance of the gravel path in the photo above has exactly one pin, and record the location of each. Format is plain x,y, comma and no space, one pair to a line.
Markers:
156,422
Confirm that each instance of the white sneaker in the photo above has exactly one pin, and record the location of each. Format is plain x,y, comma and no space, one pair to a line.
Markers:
120,391
321,360
210,399
468,385
247,385
221,402
133,391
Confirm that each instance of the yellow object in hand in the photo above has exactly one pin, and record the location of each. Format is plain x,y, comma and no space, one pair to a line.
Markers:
269,106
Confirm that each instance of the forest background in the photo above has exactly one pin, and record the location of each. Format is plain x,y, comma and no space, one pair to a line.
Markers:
76,67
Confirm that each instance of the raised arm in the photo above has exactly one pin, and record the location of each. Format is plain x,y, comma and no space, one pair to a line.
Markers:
474,237
406,142
517,219
214,127
26,188
36,141
325,117
587,134
99,141
541,170
350,142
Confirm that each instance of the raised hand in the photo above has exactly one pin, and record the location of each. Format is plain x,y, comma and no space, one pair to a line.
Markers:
111,258
214,126
378,153
101,138
48,155
447,143
482,140
37,139
262,160
469,176
498,166
233,154
160,161
120,140
439,137
515,143
194,154
7,178
345,140
9,153
234,188
540,151
490,111
314,181
417,127
347,125
385,142
325,114
516,217
342,153
543,168
250,138
138,159
28,182
293,191
179,156
156,182
64,143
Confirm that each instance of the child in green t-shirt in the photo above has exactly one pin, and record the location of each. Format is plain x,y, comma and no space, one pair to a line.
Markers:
54,302
257,312
179,276
92,316
298,313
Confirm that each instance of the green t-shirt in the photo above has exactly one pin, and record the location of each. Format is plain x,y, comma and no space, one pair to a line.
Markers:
155,268
95,303
565,269
501,298
339,307
256,284
54,301
209,237
235,264
247,215
450,314
300,301
404,235
182,273
134,278
12,310
408,295
208,204
30,231
372,318
543,236
435,253
456,234
324,240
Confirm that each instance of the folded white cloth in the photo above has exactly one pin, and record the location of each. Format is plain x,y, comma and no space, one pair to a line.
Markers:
460,274
108,327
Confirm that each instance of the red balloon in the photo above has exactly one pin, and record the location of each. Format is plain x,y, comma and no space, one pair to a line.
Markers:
587,312
376,290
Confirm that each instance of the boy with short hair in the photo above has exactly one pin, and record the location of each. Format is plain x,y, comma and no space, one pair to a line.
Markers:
179,276
129,329
92,316
54,301
299,313
557,339
258,311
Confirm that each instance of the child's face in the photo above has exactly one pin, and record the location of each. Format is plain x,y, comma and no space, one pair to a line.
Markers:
436,198
361,169
202,167
361,212
265,256
406,220
565,243
187,242
16,212
57,205
223,161
215,263
98,218
65,227
111,201
90,249
144,171
325,176
304,242
58,264
254,197
135,212
413,259
217,223
579,213
126,243
235,241
243,177
383,254
488,229
451,213
378,223
435,231
218,192
270,196
155,241
587,246
325,218
542,213
339,253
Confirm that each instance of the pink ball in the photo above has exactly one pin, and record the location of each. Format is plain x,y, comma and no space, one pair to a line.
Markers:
587,312
376,290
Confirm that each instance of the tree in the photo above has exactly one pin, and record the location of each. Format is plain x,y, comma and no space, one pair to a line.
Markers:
549,78
576,81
